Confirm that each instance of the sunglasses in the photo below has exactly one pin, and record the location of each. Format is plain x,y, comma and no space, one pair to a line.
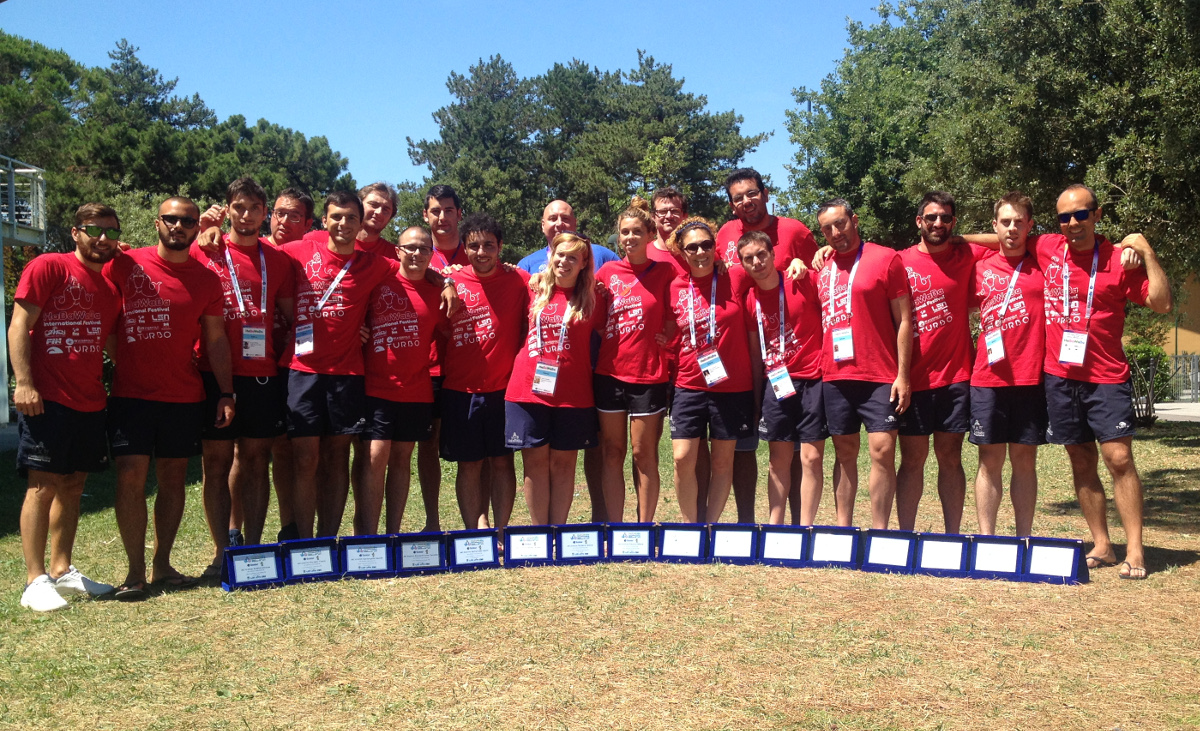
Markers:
698,246
185,221
935,217
1081,216
97,231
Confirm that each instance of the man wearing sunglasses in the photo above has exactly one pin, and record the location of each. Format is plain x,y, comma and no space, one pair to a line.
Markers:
64,311
157,408
939,271
1088,394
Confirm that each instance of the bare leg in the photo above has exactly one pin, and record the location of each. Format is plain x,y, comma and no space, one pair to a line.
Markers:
334,466
645,431
398,479
429,472
251,481
217,462
501,473
562,484
745,484
168,513
283,474
369,489
988,487
812,465
306,452
132,471
703,477
35,521
1024,486
537,483
882,482
614,442
471,492
721,453
593,472
779,480
845,477
64,521
1092,501
910,479
1127,493
952,481
685,454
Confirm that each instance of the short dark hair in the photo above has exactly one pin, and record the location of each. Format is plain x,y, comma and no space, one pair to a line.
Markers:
1016,199
382,189
439,192
738,176
246,186
93,211
184,200
298,195
669,193
940,197
479,223
344,199
835,203
1081,186
755,237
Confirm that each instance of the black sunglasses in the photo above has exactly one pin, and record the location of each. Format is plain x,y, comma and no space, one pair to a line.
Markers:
97,231
934,217
1081,216
185,221
707,245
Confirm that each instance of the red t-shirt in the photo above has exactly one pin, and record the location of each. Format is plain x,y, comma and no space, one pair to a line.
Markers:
403,317
1022,327
790,238
678,265
574,386
337,348
79,309
440,261
486,332
379,247
636,298
248,269
941,287
690,303
1104,361
801,325
161,320
879,280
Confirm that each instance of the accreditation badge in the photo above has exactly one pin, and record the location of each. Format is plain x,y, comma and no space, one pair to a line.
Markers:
781,383
1074,347
994,342
711,366
254,343
304,339
843,344
545,378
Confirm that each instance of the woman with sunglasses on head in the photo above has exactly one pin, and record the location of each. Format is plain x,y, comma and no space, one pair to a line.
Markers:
549,408
631,381
714,396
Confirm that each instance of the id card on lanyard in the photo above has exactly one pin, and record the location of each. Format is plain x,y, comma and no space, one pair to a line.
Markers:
993,339
779,378
1074,342
707,357
545,373
843,337
304,333
254,337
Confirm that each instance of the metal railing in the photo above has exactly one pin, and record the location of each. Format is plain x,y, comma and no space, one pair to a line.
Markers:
1184,378
22,195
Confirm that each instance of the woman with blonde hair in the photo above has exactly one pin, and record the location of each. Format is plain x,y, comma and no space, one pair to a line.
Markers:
549,409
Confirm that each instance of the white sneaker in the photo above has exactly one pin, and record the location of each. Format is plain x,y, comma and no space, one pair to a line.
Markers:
74,583
40,595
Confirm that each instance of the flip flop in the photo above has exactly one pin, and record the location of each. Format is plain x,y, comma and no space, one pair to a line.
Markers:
1098,562
1131,575
131,592
211,575
175,583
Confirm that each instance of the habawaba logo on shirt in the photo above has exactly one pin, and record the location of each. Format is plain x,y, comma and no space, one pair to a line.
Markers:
74,296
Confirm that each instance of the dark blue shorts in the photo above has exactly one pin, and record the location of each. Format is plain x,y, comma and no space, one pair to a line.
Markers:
472,426
1008,414
437,395
534,425
61,441
260,410
156,428
945,409
712,415
1080,412
636,399
851,404
325,405
799,418
397,421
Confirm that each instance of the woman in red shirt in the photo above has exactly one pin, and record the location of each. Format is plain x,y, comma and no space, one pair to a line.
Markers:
549,410
630,384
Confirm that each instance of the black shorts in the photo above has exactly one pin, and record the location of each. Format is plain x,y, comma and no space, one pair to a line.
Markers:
156,428
398,421
1008,414
637,399
437,381
259,410
798,418
472,426
61,441
1080,412
712,415
322,405
851,404
946,409
564,428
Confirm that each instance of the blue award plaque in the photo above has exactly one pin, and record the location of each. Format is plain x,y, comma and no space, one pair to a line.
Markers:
997,557
1056,561
310,559
528,545
366,557
631,541
834,547
420,553
889,551
784,545
251,567
471,550
735,543
682,542
579,543
942,554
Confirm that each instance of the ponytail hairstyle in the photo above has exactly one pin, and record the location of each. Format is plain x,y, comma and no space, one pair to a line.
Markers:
638,209
689,224
583,299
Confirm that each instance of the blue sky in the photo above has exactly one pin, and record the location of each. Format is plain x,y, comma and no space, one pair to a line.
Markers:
366,75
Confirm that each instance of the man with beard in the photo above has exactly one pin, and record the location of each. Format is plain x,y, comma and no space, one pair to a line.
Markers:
64,311
157,408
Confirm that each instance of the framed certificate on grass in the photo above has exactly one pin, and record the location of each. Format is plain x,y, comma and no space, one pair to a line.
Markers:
415,554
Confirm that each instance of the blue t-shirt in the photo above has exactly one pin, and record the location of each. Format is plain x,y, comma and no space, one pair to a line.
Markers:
536,262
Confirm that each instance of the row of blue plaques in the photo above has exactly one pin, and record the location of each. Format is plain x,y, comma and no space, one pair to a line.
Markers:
1049,560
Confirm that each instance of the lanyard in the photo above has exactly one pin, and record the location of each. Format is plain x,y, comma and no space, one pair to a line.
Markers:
1066,280
833,270
446,262
333,285
1012,284
237,290
762,339
562,334
712,310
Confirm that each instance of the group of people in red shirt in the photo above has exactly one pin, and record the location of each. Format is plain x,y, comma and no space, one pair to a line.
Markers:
334,355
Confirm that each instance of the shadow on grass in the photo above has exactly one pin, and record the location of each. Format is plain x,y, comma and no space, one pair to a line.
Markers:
99,494
1157,558
1172,499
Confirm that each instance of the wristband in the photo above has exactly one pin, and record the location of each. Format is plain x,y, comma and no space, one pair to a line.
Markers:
229,396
